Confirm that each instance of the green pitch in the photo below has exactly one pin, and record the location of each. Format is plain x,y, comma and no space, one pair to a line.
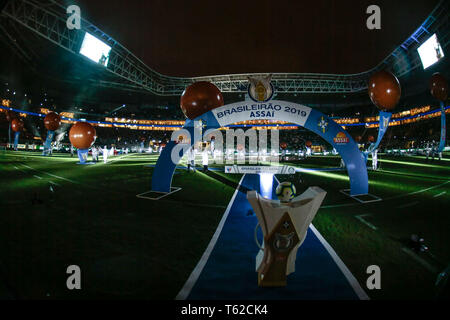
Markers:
55,213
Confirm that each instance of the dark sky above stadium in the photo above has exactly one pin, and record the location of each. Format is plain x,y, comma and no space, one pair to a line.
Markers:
207,37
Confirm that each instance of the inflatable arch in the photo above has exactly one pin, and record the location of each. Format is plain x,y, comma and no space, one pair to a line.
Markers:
306,117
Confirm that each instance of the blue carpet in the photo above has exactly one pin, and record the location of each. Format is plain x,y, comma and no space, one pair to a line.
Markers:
230,271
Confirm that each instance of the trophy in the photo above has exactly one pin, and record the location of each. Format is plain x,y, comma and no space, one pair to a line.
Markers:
284,226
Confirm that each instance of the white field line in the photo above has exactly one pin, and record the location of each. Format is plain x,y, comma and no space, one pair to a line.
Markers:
420,191
440,194
389,198
360,218
186,290
52,175
350,277
410,204
425,264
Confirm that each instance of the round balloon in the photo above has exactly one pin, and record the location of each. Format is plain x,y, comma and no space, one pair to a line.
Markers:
17,125
439,86
308,144
52,121
283,145
82,135
199,98
384,90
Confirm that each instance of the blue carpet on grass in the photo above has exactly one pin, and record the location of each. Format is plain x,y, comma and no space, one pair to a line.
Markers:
230,271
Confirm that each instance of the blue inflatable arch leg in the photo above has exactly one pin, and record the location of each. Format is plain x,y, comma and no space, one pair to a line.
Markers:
165,166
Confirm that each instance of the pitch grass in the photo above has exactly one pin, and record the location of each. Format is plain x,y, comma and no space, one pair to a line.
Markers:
135,248
126,247
415,197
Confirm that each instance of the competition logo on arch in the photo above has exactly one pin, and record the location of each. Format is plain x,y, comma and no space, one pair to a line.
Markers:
260,89
341,138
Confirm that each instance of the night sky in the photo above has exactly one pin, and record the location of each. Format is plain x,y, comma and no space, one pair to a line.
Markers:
198,37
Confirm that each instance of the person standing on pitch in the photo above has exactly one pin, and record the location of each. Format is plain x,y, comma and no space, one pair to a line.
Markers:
428,150
71,150
105,154
94,154
342,163
212,145
205,158
433,151
191,159
308,152
375,159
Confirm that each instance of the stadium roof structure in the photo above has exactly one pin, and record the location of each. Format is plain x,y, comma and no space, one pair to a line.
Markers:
46,19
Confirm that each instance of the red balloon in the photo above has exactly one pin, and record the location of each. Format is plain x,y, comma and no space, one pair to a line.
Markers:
199,98
371,139
283,145
82,135
439,86
17,125
384,90
308,144
52,121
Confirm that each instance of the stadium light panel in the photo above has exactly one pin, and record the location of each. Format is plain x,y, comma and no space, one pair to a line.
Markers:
430,51
95,50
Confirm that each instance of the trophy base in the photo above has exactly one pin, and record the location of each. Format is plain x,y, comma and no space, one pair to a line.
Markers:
270,284
277,248
272,272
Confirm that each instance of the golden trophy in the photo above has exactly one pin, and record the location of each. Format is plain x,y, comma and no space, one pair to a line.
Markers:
284,226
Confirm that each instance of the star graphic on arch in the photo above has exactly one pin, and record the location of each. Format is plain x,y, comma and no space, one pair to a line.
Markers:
323,124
